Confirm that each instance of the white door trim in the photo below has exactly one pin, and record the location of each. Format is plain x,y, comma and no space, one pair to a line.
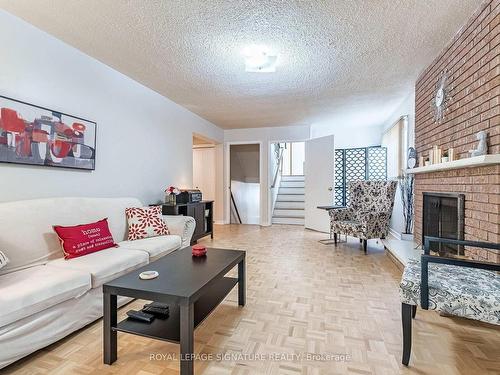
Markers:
227,179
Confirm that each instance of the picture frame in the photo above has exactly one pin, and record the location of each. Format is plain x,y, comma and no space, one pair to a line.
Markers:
35,135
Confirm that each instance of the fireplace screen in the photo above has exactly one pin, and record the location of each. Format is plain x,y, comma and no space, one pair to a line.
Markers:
443,216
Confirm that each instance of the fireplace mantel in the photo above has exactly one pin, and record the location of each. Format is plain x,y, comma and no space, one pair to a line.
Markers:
477,161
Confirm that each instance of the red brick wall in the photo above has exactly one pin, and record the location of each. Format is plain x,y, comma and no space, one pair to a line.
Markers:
473,61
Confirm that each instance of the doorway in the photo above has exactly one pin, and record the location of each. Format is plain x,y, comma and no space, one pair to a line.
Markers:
244,183
288,185
204,166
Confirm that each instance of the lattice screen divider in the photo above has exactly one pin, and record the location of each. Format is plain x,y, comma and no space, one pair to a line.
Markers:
377,163
355,167
339,198
366,163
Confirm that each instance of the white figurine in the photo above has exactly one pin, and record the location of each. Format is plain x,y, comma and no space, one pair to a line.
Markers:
482,147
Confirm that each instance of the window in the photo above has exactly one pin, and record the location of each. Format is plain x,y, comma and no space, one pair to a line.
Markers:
395,141
366,163
293,159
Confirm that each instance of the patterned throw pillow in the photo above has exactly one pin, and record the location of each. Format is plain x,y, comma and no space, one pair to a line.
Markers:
145,222
3,260
83,239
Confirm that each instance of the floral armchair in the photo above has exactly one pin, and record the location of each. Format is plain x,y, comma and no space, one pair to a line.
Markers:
368,213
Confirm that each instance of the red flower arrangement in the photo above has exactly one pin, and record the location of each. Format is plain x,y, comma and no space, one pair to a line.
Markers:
172,190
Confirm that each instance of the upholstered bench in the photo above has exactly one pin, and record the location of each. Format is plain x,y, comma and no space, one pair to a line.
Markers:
460,287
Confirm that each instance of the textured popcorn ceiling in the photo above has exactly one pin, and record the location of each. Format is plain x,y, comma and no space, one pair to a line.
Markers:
344,62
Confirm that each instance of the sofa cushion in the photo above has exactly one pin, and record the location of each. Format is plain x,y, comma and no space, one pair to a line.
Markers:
154,246
31,290
145,222
104,265
83,239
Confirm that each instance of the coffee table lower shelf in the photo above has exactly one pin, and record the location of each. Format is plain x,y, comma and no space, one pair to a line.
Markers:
169,329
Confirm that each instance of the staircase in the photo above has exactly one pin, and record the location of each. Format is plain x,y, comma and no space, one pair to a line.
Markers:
289,207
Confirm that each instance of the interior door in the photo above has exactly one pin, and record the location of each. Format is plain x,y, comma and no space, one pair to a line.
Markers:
319,179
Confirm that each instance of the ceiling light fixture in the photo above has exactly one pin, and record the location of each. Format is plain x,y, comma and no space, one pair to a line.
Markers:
259,59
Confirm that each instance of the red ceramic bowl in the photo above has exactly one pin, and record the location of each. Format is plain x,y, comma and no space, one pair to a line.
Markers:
199,250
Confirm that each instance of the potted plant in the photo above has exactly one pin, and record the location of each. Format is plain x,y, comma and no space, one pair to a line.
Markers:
170,194
406,189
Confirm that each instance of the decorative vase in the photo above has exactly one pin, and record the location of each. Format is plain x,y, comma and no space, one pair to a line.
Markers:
198,250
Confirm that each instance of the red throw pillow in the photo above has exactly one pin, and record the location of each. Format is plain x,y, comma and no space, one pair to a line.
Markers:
145,222
84,239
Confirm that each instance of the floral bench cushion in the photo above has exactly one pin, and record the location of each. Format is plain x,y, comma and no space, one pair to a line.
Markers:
462,291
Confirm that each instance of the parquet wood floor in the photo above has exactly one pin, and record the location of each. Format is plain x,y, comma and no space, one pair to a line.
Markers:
302,297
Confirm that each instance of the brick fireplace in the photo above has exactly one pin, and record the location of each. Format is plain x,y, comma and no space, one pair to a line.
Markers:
472,59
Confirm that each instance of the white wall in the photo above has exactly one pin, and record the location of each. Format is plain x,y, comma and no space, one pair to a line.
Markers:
219,184
247,198
348,137
264,136
144,141
293,159
298,158
407,107
245,163
204,171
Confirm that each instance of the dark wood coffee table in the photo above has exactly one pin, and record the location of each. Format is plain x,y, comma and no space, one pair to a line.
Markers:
193,287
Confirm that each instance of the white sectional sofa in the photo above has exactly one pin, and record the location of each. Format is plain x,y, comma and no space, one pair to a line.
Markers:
44,297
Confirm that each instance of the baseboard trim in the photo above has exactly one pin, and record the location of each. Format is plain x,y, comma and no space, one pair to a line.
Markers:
394,259
394,233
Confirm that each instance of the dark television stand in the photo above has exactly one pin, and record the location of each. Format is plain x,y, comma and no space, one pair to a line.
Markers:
202,212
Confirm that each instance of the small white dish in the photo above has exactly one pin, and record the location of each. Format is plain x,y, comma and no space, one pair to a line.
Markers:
148,275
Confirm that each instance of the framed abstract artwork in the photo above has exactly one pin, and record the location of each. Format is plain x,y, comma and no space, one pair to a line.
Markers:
34,135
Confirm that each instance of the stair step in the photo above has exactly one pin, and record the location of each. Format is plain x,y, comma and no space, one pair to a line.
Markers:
292,205
292,178
288,213
292,184
290,198
288,220
292,190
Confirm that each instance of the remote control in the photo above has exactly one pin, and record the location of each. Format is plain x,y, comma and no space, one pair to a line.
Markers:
157,308
139,315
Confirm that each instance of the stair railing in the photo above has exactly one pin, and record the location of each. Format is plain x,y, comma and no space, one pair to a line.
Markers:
235,208
278,170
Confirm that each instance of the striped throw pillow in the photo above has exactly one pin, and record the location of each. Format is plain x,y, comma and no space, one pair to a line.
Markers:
3,260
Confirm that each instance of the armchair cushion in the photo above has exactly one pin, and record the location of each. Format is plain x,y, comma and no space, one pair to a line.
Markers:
372,216
461,291
376,223
341,214
349,228
369,211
